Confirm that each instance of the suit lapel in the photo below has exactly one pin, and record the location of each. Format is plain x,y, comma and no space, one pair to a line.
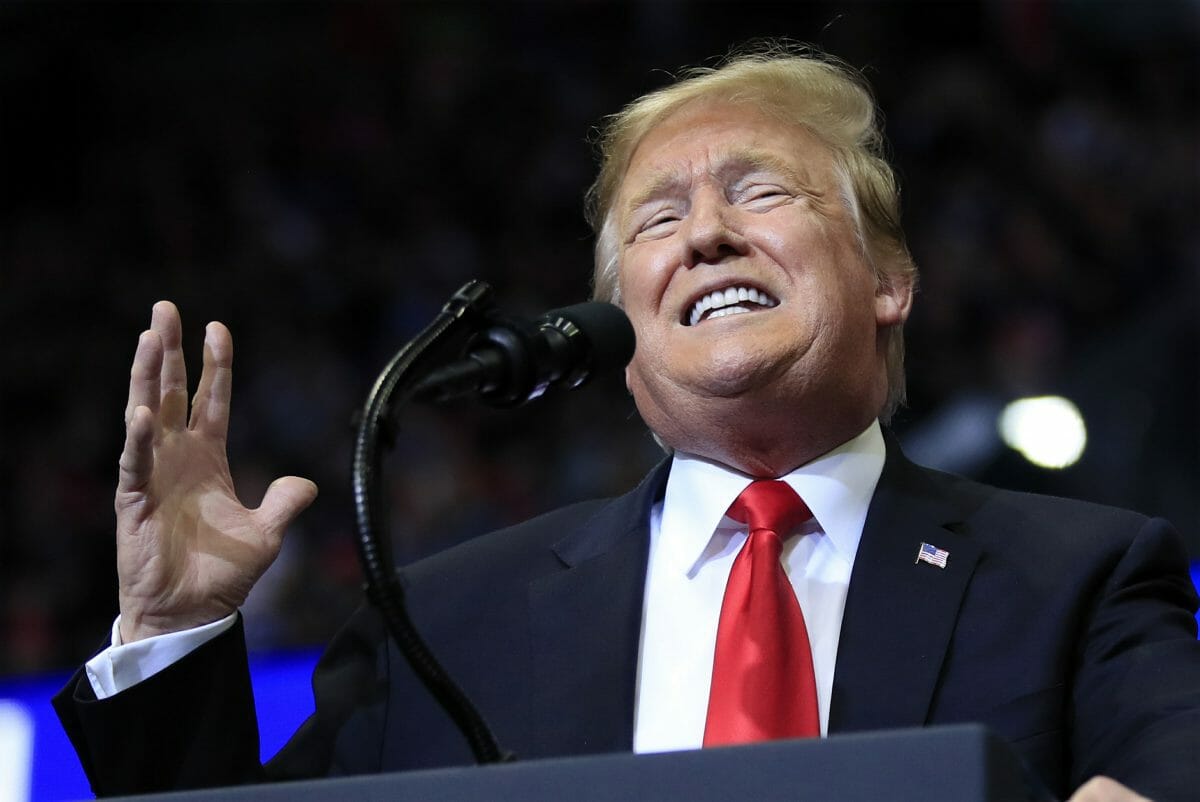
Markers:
900,614
586,624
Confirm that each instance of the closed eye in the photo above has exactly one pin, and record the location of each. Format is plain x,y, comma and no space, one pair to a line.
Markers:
764,196
659,225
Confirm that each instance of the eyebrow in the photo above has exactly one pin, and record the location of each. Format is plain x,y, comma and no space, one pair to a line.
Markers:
744,162
734,164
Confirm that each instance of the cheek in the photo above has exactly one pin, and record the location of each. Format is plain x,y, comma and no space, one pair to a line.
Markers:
636,373
644,274
638,301
627,285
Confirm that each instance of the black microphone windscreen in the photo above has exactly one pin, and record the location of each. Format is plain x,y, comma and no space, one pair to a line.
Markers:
606,328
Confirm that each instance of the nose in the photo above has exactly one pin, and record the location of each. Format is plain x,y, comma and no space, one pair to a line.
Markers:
711,233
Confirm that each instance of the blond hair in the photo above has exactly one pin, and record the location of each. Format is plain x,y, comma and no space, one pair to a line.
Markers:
800,87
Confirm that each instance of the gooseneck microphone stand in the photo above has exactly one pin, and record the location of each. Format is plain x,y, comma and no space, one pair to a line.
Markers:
468,350
463,315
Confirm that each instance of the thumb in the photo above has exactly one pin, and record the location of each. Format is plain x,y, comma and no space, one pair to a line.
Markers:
286,498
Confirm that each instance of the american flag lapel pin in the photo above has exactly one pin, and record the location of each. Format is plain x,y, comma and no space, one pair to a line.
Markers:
932,555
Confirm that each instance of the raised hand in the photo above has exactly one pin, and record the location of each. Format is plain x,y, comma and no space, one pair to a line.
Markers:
188,551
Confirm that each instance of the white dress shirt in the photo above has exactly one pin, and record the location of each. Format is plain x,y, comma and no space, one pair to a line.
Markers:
692,548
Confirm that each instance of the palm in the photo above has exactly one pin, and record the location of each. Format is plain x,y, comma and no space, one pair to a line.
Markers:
188,551
187,537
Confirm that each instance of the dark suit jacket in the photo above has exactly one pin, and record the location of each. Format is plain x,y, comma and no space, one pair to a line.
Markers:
1066,627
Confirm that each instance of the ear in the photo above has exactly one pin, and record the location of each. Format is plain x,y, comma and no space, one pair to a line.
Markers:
893,301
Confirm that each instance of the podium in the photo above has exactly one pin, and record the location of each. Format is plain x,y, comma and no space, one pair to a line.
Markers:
964,763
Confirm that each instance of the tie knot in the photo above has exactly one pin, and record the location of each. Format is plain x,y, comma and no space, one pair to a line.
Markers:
770,504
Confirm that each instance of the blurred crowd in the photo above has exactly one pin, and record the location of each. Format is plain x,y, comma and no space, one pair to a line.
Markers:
322,177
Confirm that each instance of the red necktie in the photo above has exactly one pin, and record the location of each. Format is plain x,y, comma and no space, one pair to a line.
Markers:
762,685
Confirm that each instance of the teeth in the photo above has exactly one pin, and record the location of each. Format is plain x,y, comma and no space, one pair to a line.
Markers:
722,303
729,310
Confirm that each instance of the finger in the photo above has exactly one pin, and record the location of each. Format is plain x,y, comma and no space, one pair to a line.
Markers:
137,458
165,321
285,499
210,408
144,375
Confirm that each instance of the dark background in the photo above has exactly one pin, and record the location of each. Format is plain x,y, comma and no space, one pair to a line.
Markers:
321,177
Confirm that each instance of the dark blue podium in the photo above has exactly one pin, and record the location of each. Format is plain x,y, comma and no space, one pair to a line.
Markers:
963,763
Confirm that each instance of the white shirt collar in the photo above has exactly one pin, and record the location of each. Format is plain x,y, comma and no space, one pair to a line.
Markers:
837,487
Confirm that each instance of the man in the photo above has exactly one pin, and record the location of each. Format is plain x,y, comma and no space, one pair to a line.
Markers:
750,230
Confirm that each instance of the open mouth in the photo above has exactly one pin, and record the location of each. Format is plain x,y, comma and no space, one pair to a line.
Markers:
736,300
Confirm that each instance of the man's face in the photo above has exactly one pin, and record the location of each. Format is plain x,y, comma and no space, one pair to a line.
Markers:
743,277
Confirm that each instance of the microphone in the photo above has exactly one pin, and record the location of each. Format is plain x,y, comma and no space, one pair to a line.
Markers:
515,361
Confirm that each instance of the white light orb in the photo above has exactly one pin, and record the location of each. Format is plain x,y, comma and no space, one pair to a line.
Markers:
1047,430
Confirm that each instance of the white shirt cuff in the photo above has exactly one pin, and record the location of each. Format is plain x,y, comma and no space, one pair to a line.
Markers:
121,666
